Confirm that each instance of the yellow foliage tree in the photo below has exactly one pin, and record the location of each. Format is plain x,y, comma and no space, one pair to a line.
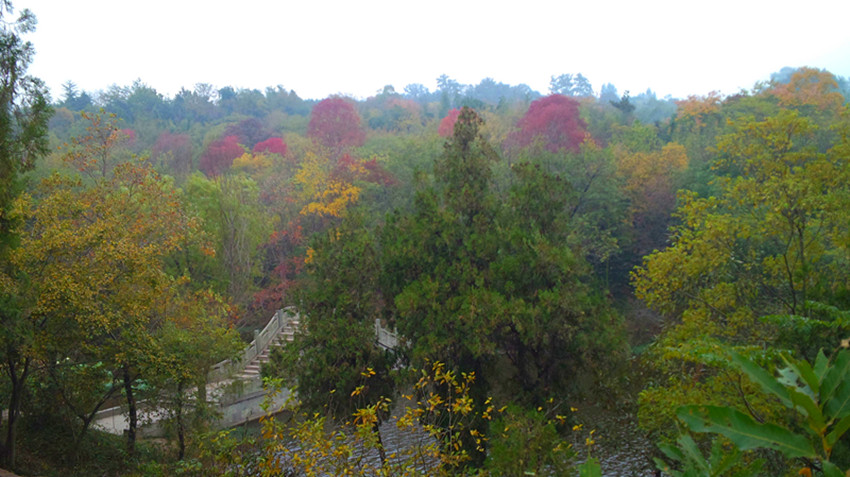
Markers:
326,186
772,242
92,265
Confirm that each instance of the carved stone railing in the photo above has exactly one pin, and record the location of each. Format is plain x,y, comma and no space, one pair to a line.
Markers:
230,367
385,338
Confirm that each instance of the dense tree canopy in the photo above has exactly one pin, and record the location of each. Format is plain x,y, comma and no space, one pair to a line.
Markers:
492,229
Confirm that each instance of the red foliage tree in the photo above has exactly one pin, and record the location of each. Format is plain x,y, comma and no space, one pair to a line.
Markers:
219,155
174,152
447,125
272,145
334,123
554,119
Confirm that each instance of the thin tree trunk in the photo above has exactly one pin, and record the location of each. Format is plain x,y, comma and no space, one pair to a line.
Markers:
87,419
131,405
202,388
17,380
180,426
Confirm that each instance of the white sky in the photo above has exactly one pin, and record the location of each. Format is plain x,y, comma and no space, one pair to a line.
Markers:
355,47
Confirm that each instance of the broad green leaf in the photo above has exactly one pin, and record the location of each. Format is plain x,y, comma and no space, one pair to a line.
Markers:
664,467
838,431
806,404
831,470
687,444
590,468
838,406
762,378
744,431
821,366
672,452
804,370
721,460
835,375
789,378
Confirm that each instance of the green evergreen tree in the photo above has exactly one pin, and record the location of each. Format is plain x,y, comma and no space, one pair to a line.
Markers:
24,112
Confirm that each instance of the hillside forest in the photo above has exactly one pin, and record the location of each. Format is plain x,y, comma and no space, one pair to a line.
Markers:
676,264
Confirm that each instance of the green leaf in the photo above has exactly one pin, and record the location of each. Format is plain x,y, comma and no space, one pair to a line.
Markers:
762,378
810,409
831,470
590,468
821,365
835,375
804,371
672,452
721,461
664,467
838,406
744,431
687,444
788,377
838,431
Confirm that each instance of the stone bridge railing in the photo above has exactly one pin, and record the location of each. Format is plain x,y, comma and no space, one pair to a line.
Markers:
385,338
230,367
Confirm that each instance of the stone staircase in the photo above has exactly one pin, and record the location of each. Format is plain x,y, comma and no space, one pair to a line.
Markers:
235,384
285,335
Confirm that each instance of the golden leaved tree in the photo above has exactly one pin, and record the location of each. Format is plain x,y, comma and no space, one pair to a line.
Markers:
92,273
772,243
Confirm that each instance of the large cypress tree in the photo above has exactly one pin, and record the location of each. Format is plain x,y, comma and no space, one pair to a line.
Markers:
24,113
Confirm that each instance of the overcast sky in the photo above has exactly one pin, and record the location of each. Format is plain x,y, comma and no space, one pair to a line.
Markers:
319,48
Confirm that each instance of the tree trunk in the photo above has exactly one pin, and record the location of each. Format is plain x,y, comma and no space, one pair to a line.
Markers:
180,426
17,391
202,388
87,420
131,406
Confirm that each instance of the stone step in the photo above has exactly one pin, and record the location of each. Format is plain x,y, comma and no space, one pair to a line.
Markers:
285,335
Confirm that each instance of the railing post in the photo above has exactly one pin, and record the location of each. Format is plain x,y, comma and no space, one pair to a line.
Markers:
257,341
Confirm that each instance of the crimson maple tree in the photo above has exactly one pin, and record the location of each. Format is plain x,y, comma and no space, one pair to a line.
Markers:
272,145
555,120
335,124
220,155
